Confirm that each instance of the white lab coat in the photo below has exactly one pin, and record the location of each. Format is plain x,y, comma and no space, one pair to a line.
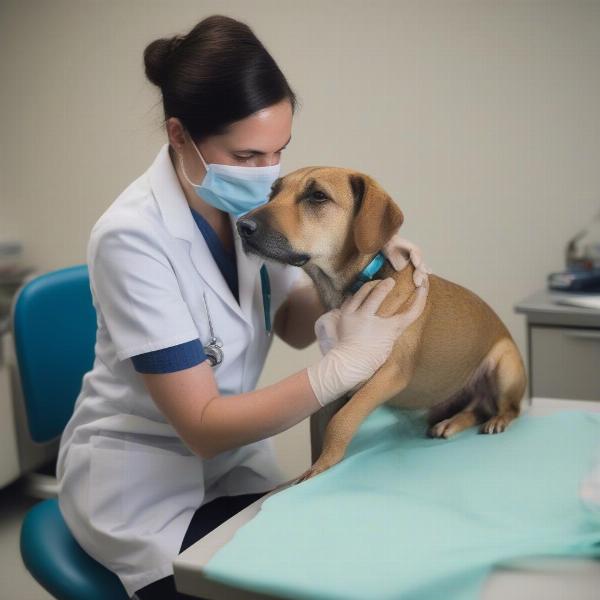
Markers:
129,485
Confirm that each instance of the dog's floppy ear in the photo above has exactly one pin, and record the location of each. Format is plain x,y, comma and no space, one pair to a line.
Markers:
376,216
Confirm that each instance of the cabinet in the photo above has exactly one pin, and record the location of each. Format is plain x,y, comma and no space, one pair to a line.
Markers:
563,348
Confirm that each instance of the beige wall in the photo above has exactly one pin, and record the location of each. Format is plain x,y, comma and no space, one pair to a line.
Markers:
480,118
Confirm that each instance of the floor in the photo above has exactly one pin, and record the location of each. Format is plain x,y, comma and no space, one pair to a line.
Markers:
15,581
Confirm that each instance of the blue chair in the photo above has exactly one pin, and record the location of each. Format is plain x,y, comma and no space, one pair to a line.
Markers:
54,328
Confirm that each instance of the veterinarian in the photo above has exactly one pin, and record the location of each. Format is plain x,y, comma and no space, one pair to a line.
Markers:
169,437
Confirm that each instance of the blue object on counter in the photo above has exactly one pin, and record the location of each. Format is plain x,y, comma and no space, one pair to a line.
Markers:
575,281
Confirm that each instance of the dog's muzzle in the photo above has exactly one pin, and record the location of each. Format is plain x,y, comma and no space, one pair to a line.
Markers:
265,241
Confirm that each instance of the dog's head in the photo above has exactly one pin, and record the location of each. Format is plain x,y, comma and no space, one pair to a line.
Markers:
321,215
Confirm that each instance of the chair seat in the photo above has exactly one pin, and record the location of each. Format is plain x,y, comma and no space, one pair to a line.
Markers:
57,561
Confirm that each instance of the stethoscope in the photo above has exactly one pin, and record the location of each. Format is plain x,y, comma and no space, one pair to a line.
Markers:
214,348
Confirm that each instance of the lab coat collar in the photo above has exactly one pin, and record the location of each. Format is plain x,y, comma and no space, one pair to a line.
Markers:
179,221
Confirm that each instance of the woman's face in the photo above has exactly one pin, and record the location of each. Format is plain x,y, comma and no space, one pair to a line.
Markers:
256,141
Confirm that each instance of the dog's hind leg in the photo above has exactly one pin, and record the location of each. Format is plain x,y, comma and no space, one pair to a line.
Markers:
491,397
463,420
510,382
471,405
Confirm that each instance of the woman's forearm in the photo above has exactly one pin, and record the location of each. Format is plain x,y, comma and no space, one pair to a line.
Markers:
231,421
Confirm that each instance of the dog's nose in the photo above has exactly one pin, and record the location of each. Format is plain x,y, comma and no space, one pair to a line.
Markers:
246,227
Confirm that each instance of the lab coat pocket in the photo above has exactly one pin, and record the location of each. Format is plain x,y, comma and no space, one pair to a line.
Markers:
138,487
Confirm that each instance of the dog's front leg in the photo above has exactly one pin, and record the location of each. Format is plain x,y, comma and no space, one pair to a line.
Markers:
384,384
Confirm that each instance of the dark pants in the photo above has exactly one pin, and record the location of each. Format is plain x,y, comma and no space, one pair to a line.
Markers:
208,517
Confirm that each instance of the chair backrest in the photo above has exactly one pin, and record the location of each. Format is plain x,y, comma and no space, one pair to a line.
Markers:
54,328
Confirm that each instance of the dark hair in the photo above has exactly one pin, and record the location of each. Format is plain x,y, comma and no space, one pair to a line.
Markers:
216,74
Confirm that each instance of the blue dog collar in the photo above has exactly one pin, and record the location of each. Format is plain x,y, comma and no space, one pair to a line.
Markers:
368,272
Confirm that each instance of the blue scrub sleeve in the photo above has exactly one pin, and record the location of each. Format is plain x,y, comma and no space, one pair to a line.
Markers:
169,360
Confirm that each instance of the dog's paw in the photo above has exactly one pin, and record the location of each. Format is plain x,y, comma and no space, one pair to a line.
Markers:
319,467
443,429
307,475
314,470
496,424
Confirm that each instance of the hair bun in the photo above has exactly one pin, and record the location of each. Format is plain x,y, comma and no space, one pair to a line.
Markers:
157,58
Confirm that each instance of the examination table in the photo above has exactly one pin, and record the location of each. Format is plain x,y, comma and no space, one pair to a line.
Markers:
548,577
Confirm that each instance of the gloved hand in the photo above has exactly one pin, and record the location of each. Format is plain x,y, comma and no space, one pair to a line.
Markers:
365,340
399,251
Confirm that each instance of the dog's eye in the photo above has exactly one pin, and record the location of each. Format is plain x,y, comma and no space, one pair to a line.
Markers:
317,197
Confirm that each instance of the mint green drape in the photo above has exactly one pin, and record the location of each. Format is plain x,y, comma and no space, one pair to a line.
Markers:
412,518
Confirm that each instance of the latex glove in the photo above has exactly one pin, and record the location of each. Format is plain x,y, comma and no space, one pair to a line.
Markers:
326,330
399,251
365,340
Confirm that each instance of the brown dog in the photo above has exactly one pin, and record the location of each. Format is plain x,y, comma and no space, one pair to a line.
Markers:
457,359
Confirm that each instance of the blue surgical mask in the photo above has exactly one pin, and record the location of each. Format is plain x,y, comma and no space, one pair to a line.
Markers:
234,189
